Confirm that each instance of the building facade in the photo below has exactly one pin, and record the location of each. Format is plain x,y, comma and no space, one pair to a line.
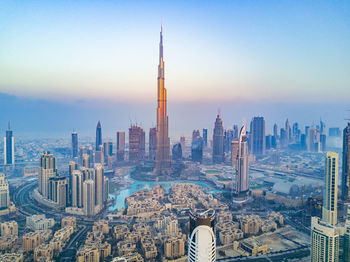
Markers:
218,141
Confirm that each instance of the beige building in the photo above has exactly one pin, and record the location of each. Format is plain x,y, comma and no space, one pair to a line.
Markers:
174,248
8,242
102,226
88,253
43,253
33,239
9,228
39,222
11,257
324,241
330,198
251,247
69,221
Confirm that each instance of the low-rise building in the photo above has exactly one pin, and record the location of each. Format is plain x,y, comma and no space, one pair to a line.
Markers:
88,253
61,238
251,247
39,222
69,221
11,257
8,242
102,226
33,239
174,247
43,253
9,228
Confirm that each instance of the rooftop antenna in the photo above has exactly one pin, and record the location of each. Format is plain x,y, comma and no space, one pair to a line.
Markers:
9,126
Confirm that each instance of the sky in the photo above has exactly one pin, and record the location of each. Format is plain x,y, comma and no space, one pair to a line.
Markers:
243,58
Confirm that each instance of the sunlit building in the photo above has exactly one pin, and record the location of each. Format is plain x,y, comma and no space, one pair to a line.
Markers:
163,140
47,169
120,145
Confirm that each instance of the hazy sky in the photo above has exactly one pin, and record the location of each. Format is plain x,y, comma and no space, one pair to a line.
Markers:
214,50
65,65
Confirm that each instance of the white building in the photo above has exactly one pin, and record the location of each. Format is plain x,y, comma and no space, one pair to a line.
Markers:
202,240
39,222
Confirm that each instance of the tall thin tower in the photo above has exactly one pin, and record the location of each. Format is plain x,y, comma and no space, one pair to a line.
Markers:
163,141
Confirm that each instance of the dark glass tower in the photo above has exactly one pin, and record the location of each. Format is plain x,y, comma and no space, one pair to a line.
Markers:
98,136
74,144
258,136
218,141
346,164
9,147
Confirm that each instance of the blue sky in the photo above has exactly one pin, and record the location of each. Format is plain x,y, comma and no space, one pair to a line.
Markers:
214,50
272,58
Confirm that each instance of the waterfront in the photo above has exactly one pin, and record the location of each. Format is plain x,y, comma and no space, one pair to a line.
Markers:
120,195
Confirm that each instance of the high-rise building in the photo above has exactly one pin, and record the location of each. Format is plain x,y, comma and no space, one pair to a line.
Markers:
120,145
74,144
235,131
9,147
4,193
183,145
287,128
324,241
152,145
177,152
228,139
275,131
345,181
195,135
99,186
107,149
201,238
77,188
89,197
47,169
197,150
163,141
86,161
258,136
98,136
58,190
218,141
205,137
322,127
136,143
81,154
330,200
346,243
240,165
90,152
99,155
313,140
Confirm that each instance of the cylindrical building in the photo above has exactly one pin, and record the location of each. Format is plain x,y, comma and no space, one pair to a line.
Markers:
201,240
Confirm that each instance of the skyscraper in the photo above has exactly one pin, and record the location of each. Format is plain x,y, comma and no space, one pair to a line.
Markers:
218,141
258,136
152,145
163,141
345,181
197,150
287,128
324,233
58,190
240,165
98,136
99,186
4,193
346,243
120,145
77,188
9,147
195,135
177,152
89,197
330,200
47,169
74,144
201,238
324,241
205,137
183,145
136,143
